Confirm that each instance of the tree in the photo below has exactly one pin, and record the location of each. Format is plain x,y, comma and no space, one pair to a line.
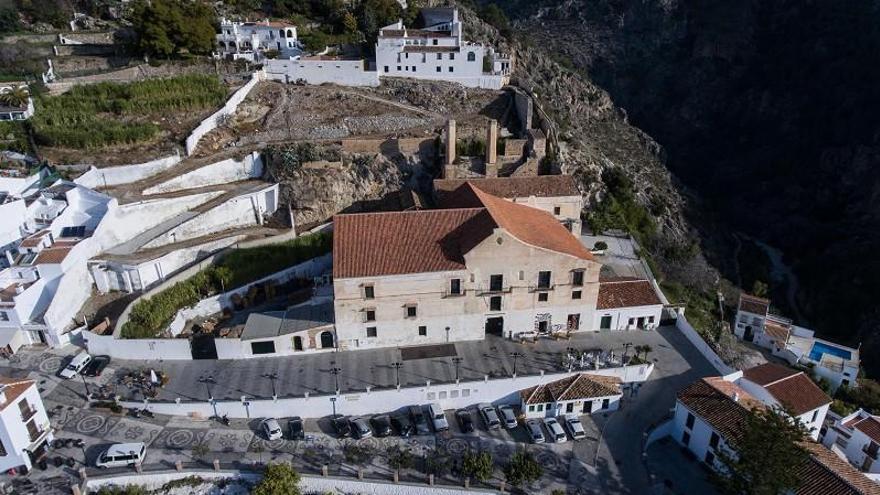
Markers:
167,27
600,246
350,23
522,468
477,465
496,17
764,455
646,349
437,462
278,479
759,289
15,97
315,40
9,22
399,458
200,450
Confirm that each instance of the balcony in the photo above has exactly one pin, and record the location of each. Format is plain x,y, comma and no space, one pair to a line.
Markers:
37,432
27,414
447,293
541,287
483,291
871,452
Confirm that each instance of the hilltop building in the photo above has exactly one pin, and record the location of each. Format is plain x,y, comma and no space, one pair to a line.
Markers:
856,438
25,432
251,40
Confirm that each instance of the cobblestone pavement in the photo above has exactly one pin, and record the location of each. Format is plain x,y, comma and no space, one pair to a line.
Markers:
609,461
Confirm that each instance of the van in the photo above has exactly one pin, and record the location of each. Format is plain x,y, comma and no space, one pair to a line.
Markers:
76,365
438,418
122,455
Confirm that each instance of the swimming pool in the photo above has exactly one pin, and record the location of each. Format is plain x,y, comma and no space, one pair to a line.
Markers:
820,348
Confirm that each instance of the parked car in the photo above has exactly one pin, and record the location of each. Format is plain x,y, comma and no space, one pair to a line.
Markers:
271,429
419,419
361,428
557,434
381,424
296,428
121,455
438,417
403,425
490,416
575,428
96,366
465,421
536,433
341,425
508,417
76,365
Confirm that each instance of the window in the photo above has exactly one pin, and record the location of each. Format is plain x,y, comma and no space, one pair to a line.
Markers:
369,292
451,69
575,294
496,283
411,311
543,296
557,210
433,42
522,275
605,323
815,415
495,303
685,438
371,332
423,331
540,407
26,410
574,321
689,422
710,458
398,68
413,68
263,347
453,394
531,408
441,395
439,56
713,440
451,56
543,279
369,315
466,392
455,286
472,57
577,278
4,316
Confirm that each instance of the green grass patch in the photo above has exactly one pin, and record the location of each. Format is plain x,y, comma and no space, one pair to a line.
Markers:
150,317
702,309
13,137
97,115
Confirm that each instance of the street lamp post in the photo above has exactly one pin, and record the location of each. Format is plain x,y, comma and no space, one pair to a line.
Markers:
447,335
457,360
333,402
335,370
516,355
88,393
272,377
208,381
626,348
397,365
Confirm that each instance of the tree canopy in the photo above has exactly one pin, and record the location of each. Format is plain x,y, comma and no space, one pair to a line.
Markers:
278,479
522,469
169,27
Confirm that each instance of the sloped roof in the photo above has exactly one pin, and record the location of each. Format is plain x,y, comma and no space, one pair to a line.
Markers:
791,388
869,426
776,330
12,389
827,474
768,373
580,386
625,293
753,304
452,193
712,399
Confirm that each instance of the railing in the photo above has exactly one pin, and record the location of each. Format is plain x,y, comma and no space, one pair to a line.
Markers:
482,291
541,288
28,413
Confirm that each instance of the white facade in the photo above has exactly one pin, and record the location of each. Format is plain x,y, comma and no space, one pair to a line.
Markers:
697,435
16,113
857,439
321,70
250,40
811,420
24,425
628,318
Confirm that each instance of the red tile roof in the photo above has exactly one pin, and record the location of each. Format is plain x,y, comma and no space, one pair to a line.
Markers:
34,239
52,255
12,389
625,293
712,399
827,474
580,386
869,426
452,193
376,244
791,388
753,304
777,331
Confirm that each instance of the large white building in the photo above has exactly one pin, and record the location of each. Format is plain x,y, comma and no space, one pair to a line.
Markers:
856,438
251,40
25,432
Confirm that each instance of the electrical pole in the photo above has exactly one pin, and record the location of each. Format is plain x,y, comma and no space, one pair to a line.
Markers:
397,365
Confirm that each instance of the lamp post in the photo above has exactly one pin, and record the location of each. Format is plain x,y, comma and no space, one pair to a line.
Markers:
457,361
626,348
272,377
333,402
447,335
569,353
208,381
335,370
516,355
88,393
397,365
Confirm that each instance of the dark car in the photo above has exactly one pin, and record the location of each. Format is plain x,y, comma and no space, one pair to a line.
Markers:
403,425
341,425
96,366
295,427
381,424
465,421
420,420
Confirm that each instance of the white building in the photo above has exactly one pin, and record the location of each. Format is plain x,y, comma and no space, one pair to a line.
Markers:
838,364
16,112
250,40
627,303
856,438
25,431
582,393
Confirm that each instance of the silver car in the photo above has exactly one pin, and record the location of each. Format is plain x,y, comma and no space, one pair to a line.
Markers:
557,434
489,416
533,426
508,417
271,429
361,428
575,428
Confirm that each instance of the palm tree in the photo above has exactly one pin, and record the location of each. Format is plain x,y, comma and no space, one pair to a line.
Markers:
646,349
15,97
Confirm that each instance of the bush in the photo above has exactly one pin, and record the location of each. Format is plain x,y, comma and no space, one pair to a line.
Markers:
477,465
600,246
278,479
522,469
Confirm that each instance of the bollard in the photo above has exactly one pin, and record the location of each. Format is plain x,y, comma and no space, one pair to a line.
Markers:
324,470
74,490
178,465
431,479
467,482
216,464
360,473
82,474
138,468
396,476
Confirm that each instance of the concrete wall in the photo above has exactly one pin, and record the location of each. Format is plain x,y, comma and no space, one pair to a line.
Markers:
688,331
139,349
620,317
524,109
342,72
449,395
13,431
211,123
222,172
125,174
570,208
700,433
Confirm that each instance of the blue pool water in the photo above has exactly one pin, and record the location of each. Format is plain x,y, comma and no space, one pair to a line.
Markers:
820,348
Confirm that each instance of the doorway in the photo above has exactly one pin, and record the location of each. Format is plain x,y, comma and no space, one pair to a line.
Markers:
495,326
326,340
588,407
297,343
569,408
640,323
749,334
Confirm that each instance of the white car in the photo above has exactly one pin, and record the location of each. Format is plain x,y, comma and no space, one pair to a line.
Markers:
121,455
489,416
557,434
437,417
77,364
575,428
508,417
271,429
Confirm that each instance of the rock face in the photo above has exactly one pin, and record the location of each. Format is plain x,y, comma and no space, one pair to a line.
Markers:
766,113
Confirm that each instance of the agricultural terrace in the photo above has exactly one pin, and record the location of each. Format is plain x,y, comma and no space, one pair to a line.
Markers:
108,113
150,317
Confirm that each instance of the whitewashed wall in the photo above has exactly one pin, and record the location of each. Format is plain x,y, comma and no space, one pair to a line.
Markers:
688,331
449,395
125,174
342,72
140,349
228,109
222,172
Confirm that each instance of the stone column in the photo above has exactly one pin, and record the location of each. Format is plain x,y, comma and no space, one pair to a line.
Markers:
492,149
450,142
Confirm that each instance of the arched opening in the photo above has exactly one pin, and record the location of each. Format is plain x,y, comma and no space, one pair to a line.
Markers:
749,334
281,33
472,57
297,343
290,33
326,340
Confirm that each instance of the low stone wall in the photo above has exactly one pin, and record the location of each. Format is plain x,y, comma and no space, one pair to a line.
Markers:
688,331
222,172
229,108
125,174
408,146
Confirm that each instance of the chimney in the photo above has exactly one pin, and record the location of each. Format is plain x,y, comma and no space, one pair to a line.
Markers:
492,148
736,396
450,142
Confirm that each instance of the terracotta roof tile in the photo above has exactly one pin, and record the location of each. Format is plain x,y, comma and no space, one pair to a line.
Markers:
752,304
451,193
13,388
52,255
869,426
580,386
33,240
712,400
767,373
827,474
792,388
777,331
625,293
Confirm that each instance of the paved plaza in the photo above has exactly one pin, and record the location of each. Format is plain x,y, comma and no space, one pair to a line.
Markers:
609,461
